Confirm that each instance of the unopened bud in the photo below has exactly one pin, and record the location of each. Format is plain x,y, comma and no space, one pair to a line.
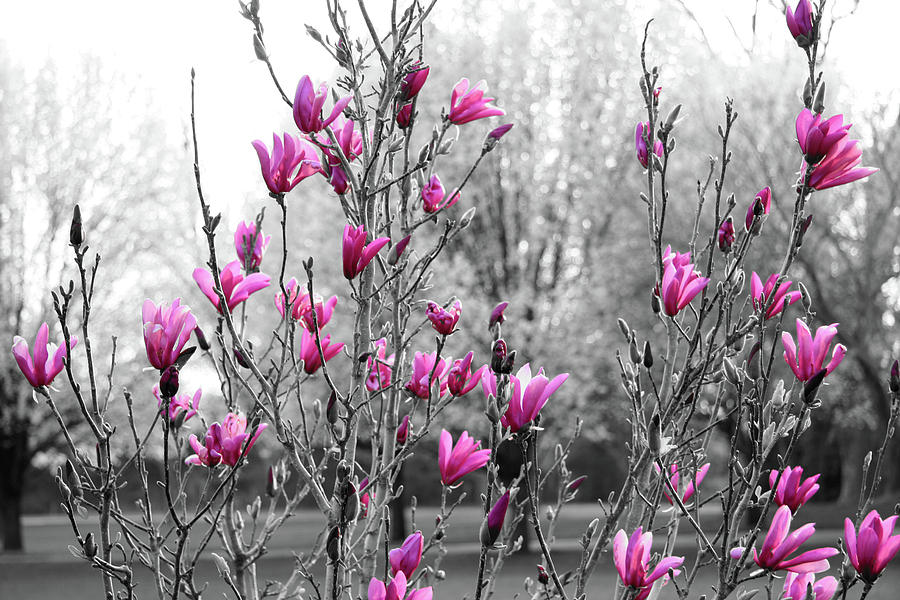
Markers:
397,250
259,48
89,546
201,339
446,147
467,217
333,544
508,363
731,373
633,353
253,509
331,412
76,231
654,304
491,411
807,93
498,355
240,358
867,461
73,480
819,103
623,327
673,116
221,565
894,381
543,577
168,383
805,298
424,152
271,483
654,435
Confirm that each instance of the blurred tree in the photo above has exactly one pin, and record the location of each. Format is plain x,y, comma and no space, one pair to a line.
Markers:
66,139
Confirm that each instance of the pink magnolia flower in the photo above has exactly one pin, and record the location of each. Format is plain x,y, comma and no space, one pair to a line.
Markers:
497,315
800,23
529,395
308,103
493,521
180,404
675,478
778,544
460,379
297,299
356,253
404,115
312,361
403,431
322,312
827,145
469,104
680,282
166,331
764,201
443,320
423,364
806,357
223,442
291,161
244,236
413,81
796,585
364,497
874,547
47,362
349,141
433,197
499,132
407,557
726,235
379,367
632,558
791,491
455,462
235,286
640,144
396,590
761,295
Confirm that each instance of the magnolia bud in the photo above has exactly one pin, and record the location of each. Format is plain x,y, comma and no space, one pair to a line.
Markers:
654,435
673,116
491,411
271,483
805,298
253,509
201,339
894,381
543,577
467,217
76,231
654,304
221,565
633,352
807,93
648,355
73,480
331,412
811,387
397,250
819,103
333,544
498,355
168,383
259,48
623,327
89,547
493,521
731,373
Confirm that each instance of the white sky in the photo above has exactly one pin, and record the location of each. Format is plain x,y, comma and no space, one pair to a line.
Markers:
157,43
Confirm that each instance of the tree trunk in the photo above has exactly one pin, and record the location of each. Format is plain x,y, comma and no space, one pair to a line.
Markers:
14,450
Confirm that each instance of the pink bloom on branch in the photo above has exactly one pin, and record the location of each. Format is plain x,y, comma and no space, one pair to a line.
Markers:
761,295
47,362
166,331
413,81
791,491
455,462
493,521
469,104
433,197
640,144
407,557
404,115
323,312
761,204
308,104
379,367
349,143
356,253
460,379
675,479
529,395
806,358
291,161
779,543
680,282
827,145
726,235
499,132
235,287
403,431
297,299
874,547
443,320
800,22
180,404
632,559
423,364
497,316
244,236
796,585
223,442
396,590
309,352
364,497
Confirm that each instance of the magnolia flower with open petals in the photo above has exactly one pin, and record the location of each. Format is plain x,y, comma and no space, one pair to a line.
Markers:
874,547
680,282
235,286
806,358
797,584
297,299
800,23
632,558
529,395
379,367
469,104
460,379
322,312
791,491
47,362
349,144
356,253
396,590
763,295
780,542
407,557
413,81
444,320
423,365
223,442
166,330
434,198
182,404
292,160
497,315
758,209
827,146
455,462
309,352
244,236
675,479
308,103
640,144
